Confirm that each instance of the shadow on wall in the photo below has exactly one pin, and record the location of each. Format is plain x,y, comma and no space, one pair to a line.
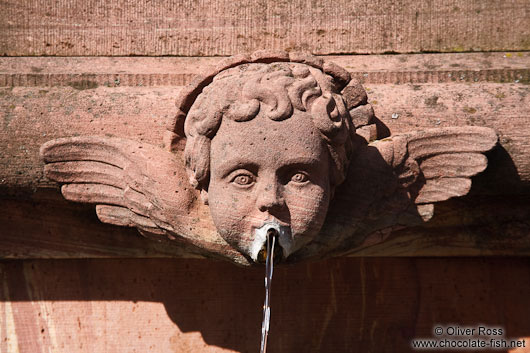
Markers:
338,305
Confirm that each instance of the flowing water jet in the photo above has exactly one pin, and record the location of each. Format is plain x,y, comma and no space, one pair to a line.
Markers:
268,253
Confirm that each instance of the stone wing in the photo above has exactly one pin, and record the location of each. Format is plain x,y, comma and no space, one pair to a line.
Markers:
436,165
132,184
394,183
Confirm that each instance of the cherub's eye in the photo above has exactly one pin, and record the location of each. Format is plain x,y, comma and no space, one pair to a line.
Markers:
299,178
243,179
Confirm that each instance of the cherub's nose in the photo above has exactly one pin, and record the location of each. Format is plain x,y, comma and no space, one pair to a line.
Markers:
269,198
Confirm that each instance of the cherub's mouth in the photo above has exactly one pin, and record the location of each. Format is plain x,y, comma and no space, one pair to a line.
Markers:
271,229
277,250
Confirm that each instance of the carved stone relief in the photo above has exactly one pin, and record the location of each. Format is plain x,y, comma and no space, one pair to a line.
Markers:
272,139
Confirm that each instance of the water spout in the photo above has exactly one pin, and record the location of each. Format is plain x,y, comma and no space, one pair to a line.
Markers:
272,235
258,248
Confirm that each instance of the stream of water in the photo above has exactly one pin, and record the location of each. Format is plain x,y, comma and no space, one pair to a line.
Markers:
269,267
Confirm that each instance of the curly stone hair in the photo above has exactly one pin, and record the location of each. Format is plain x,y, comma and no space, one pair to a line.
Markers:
272,86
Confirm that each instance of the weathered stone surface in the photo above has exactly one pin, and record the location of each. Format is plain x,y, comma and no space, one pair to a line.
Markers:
143,305
338,72
354,95
34,115
267,145
119,111
223,27
362,115
81,72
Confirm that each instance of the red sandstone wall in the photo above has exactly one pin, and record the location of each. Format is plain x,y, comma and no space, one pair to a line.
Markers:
340,305
183,305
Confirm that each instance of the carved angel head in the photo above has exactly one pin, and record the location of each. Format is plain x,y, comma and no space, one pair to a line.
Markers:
268,139
268,143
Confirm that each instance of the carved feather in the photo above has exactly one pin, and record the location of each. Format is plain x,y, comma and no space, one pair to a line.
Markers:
435,165
395,182
136,185
133,184
391,183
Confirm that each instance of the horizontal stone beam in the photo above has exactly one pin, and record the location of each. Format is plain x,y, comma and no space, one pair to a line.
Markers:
91,72
224,27
37,223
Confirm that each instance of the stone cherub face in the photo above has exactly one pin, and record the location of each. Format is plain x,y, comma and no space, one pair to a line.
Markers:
268,140
267,144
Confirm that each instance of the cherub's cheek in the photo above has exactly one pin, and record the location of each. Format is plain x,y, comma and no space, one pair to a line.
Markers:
226,195
308,208
306,198
239,198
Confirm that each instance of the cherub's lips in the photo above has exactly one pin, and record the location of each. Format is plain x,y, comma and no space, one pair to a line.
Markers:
259,223
263,234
